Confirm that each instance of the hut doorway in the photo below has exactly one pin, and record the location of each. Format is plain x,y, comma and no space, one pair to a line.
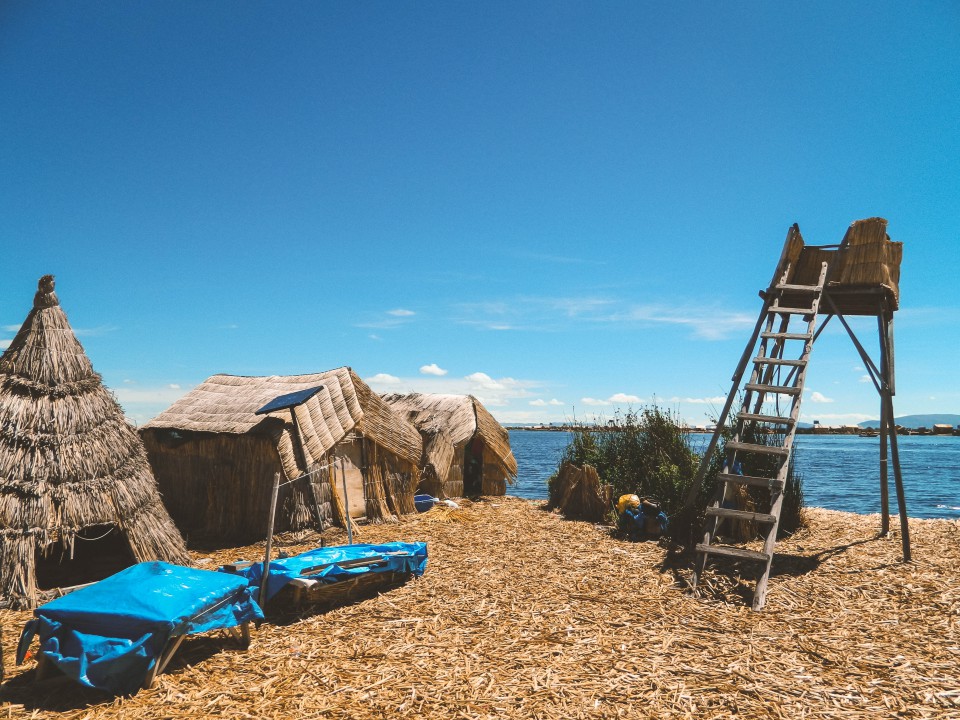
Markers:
473,466
98,551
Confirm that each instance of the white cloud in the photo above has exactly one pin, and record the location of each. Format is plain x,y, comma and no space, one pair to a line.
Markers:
94,332
715,325
4,344
396,318
594,402
624,398
492,392
374,337
484,381
540,402
432,369
150,396
11,328
382,379
715,400
819,397
864,378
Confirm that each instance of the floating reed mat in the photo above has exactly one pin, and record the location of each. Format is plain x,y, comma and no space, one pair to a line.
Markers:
522,614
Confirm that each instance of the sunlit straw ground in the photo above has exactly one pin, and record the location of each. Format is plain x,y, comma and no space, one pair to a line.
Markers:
522,614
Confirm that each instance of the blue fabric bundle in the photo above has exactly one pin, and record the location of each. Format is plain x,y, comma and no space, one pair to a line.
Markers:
110,634
397,557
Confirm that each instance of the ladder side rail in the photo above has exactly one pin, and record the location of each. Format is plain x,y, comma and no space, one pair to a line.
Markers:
776,505
694,490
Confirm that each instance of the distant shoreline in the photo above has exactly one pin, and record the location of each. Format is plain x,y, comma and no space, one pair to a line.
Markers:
860,432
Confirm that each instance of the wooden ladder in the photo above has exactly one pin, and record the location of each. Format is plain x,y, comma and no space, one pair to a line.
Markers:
776,379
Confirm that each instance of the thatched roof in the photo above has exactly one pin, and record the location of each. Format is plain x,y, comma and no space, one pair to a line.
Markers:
68,458
863,266
228,403
454,419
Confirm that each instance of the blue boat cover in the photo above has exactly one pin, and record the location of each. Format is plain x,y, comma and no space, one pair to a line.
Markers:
110,634
397,557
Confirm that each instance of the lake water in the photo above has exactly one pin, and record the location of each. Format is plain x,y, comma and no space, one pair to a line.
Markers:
840,472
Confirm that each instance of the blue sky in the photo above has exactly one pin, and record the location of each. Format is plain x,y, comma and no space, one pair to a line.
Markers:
562,208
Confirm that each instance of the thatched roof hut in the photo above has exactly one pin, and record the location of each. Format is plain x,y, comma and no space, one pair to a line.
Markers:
78,500
465,450
215,458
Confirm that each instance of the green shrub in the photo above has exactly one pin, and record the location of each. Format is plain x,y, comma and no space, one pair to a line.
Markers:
649,453
645,452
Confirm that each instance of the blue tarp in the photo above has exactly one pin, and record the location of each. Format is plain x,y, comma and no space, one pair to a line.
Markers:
397,557
110,634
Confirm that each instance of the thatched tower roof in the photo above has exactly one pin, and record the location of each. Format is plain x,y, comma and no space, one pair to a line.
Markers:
864,267
227,404
68,458
454,419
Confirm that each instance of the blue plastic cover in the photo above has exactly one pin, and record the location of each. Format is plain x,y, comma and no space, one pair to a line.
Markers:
397,557
110,634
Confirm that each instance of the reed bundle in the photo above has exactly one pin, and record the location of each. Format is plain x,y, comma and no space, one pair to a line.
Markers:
580,494
521,614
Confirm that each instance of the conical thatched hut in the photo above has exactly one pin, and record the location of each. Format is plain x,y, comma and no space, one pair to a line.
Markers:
215,458
78,500
465,450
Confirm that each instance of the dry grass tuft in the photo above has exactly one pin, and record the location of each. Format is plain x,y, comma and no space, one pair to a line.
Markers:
522,614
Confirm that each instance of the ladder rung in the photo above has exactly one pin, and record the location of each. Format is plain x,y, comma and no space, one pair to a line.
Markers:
772,419
786,336
733,552
722,512
791,310
812,289
779,361
751,447
779,389
753,481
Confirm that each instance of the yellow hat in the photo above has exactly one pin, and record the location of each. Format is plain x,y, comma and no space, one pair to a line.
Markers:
627,501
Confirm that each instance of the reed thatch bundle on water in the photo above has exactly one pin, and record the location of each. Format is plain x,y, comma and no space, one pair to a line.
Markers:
215,458
71,468
865,263
466,451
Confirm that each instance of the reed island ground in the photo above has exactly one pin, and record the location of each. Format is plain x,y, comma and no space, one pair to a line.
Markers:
523,614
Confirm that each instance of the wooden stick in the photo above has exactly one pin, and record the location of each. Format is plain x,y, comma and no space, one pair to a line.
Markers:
345,564
266,554
346,501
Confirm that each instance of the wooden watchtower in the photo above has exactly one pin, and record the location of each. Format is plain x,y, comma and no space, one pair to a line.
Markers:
860,276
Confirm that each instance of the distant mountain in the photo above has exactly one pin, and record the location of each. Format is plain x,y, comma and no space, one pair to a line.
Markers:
917,421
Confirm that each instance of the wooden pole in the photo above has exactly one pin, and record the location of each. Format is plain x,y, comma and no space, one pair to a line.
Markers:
266,555
884,438
884,488
889,385
346,501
